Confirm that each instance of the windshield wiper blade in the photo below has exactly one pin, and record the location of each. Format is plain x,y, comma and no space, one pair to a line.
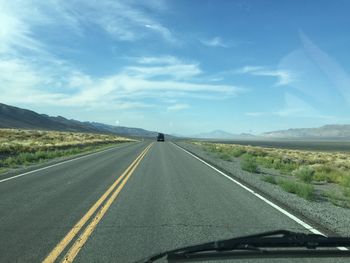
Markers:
267,244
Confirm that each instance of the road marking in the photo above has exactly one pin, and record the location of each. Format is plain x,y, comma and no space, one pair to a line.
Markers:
79,243
52,256
283,211
56,164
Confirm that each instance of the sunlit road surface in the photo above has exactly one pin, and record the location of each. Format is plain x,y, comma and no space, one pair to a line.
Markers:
125,204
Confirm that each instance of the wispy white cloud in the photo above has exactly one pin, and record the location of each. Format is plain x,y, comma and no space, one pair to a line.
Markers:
125,21
121,19
248,69
169,66
215,42
284,77
75,88
20,19
14,32
158,60
179,71
163,31
158,5
255,114
177,107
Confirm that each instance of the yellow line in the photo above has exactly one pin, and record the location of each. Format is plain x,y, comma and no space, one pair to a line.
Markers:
52,256
79,243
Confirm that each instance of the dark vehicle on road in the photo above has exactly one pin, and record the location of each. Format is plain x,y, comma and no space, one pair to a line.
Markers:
160,137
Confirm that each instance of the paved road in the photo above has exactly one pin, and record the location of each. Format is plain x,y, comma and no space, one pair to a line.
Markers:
169,199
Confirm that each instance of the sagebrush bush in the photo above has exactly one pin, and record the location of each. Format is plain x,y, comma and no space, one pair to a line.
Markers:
304,173
328,174
256,152
237,152
346,192
333,197
225,156
270,179
305,191
283,166
345,181
249,164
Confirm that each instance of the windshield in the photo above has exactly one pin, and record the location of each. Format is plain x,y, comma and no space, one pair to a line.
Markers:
129,128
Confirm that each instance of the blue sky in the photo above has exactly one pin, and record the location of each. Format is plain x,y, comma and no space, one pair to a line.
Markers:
181,67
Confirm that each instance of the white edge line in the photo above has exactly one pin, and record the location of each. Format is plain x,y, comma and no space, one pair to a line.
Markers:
56,164
283,211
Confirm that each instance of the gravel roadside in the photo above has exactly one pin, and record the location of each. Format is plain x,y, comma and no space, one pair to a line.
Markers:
323,215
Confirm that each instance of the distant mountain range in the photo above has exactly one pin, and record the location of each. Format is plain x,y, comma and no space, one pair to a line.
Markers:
14,117
122,130
219,134
334,131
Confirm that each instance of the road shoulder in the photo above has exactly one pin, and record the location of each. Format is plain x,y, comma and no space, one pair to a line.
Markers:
324,216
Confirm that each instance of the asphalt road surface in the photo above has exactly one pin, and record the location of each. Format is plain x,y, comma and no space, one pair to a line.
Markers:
125,204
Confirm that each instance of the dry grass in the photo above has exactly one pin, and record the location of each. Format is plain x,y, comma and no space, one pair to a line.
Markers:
15,140
330,166
307,167
18,147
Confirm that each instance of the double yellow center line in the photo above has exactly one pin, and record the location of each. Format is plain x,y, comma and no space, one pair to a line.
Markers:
103,205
